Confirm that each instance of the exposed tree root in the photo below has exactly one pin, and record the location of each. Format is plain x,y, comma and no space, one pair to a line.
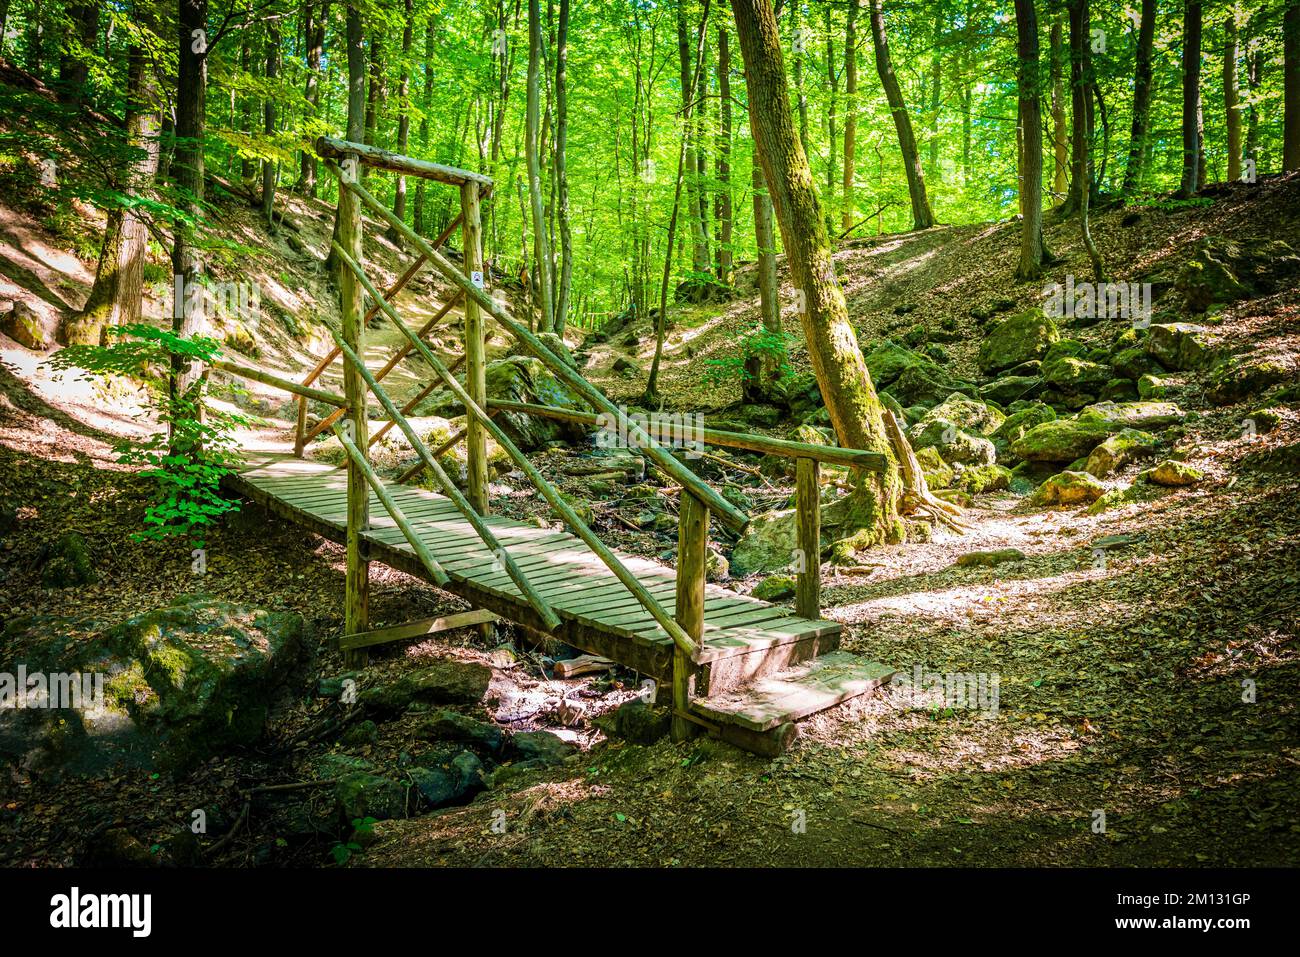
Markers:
917,499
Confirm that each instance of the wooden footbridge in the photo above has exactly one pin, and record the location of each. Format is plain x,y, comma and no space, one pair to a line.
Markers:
737,667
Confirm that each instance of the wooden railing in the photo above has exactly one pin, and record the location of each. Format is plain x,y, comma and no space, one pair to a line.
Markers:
699,501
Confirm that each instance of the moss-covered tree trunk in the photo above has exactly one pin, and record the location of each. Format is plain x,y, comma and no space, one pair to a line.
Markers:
841,371
1031,148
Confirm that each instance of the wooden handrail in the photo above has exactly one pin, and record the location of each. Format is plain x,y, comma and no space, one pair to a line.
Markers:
728,513
303,436
421,550
552,496
389,366
266,378
539,605
749,442
330,148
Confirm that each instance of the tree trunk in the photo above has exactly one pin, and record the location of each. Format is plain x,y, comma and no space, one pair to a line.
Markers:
268,165
403,118
847,212
832,93
694,194
1141,98
430,47
922,217
855,410
764,370
532,151
1231,97
356,53
722,202
562,168
315,49
1291,86
115,298
1191,55
1031,149
1060,135
187,168
798,42
1081,84
936,93
74,61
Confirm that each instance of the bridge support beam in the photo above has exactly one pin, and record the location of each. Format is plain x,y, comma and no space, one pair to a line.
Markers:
475,347
692,557
356,602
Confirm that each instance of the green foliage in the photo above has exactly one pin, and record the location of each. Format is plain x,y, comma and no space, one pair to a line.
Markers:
197,448
758,343
361,826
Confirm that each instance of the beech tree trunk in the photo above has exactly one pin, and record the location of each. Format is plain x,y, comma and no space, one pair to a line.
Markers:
268,125
403,118
1031,139
922,217
115,298
356,53
1231,97
1060,133
315,48
1191,56
1141,98
855,410
562,168
187,169
1291,86
1081,84
532,151
722,202
762,371
850,113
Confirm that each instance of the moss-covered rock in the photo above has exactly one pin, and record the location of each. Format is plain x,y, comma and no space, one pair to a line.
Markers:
1173,474
1134,363
362,795
774,588
1062,440
1117,451
1011,388
1068,488
1181,346
988,559
1016,339
1261,421
938,473
444,682
1134,415
954,445
1154,387
984,478
1242,376
1076,376
1020,421
971,415
23,325
69,563
1224,271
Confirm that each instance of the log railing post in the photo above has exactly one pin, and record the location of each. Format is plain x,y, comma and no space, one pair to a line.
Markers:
808,505
475,345
692,557
357,578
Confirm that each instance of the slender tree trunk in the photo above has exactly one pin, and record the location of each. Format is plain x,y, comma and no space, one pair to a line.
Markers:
1291,86
799,42
722,202
1231,96
763,370
532,151
356,54
936,93
922,217
315,49
420,223
694,194
268,128
650,398
562,167
1191,56
847,212
187,167
1254,76
1060,134
115,298
832,94
855,411
1142,74
403,117
1031,150
74,60
247,168
1081,85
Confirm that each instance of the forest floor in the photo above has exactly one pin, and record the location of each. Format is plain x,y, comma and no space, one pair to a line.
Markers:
1121,672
